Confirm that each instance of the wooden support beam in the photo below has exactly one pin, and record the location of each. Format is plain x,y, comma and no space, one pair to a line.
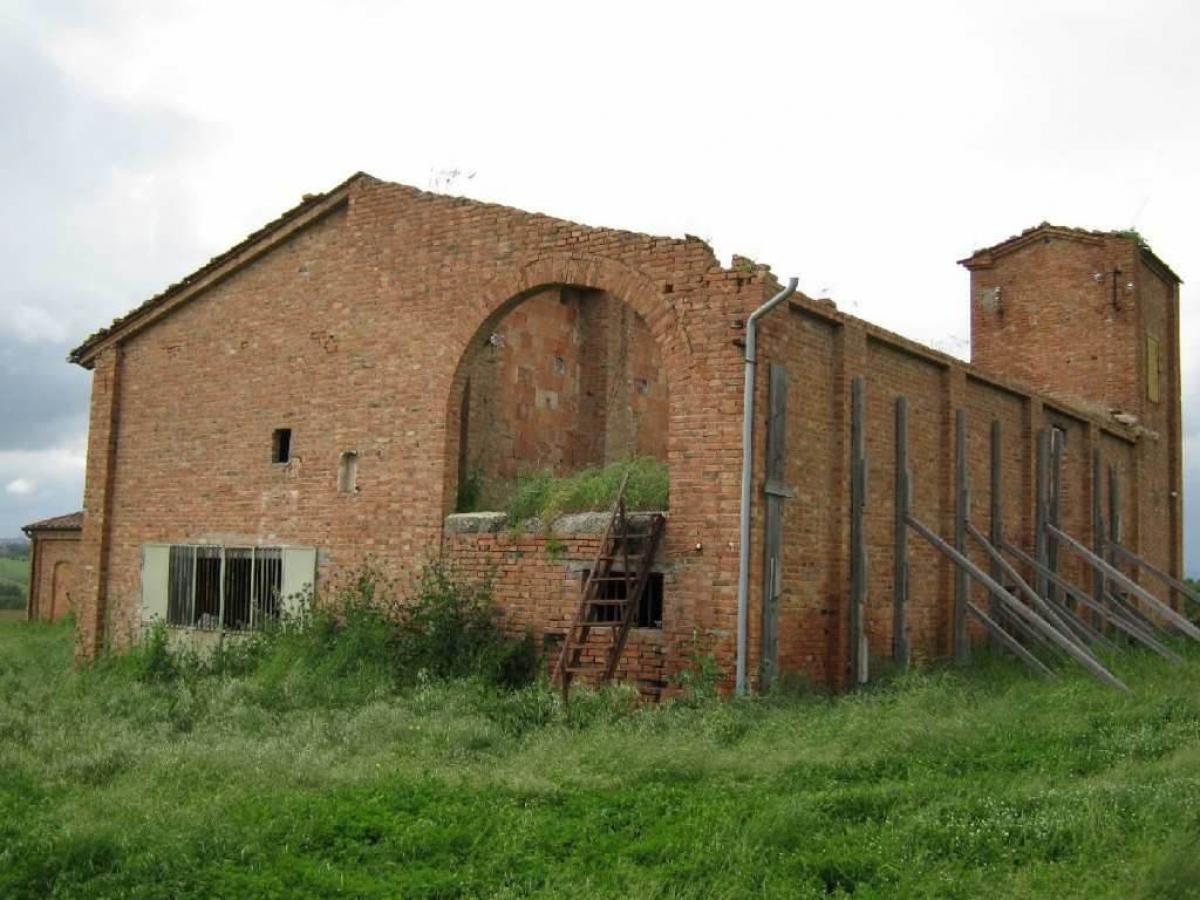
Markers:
1006,640
1054,499
1041,502
997,505
1178,621
1179,587
1110,610
962,508
1097,526
1065,643
1114,504
859,650
901,650
1041,604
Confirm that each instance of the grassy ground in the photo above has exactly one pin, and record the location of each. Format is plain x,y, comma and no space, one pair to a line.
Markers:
271,783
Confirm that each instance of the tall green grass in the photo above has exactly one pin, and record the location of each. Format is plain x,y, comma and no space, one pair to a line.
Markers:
540,495
545,496
942,783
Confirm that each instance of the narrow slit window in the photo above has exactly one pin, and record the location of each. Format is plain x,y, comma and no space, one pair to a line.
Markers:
1153,369
281,445
348,473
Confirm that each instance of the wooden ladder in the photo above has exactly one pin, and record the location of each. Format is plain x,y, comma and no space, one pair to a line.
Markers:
612,593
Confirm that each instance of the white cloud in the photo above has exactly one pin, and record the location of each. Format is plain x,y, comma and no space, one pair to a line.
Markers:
21,487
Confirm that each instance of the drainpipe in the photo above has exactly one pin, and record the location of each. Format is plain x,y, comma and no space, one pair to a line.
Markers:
743,618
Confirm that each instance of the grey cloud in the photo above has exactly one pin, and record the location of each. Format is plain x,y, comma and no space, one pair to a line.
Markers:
43,399
62,147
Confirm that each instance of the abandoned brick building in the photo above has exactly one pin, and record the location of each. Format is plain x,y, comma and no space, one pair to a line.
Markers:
316,395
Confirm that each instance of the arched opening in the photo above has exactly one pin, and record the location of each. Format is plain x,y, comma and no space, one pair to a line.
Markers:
60,594
560,379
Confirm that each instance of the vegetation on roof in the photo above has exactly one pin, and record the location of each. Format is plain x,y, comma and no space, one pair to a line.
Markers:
1134,235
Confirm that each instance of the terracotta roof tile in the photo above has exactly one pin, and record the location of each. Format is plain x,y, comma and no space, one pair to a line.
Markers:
70,522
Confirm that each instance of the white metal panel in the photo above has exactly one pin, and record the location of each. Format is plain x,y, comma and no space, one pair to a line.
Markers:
156,565
299,577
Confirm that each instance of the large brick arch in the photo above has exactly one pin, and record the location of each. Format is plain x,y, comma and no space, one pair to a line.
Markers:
510,288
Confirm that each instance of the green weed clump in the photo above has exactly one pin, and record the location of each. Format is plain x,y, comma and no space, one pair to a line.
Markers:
543,496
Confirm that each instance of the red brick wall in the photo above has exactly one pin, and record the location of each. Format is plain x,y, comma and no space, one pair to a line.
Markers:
1056,327
822,351
54,574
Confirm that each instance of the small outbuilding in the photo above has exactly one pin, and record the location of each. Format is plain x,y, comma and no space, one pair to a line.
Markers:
53,566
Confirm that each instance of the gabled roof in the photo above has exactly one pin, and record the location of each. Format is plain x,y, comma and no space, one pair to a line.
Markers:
70,522
313,206
985,255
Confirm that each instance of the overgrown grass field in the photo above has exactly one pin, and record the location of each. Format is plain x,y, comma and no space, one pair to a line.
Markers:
310,769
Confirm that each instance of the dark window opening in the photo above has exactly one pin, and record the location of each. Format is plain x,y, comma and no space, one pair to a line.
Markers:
239,566
208,588
181,569
235,588
281,445
650,610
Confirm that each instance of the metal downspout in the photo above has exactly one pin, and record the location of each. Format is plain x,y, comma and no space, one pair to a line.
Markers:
743,618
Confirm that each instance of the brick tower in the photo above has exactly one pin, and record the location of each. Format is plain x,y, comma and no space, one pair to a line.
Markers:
1091,317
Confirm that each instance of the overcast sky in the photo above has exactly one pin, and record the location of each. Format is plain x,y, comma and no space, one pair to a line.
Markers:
863,147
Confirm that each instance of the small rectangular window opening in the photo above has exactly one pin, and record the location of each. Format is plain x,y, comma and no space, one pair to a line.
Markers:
348,473
1153,369
281,445
650,610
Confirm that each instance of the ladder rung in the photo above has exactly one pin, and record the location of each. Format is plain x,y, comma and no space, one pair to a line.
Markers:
597,601
575,670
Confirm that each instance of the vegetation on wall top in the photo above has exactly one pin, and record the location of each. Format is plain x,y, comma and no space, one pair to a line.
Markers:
545,496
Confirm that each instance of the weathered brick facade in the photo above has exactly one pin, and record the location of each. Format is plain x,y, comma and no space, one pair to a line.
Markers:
358,320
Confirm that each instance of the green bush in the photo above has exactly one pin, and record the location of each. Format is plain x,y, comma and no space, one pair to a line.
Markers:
11,596
451,629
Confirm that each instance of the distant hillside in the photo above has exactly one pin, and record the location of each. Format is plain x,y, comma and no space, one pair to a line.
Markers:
14,547
14,582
